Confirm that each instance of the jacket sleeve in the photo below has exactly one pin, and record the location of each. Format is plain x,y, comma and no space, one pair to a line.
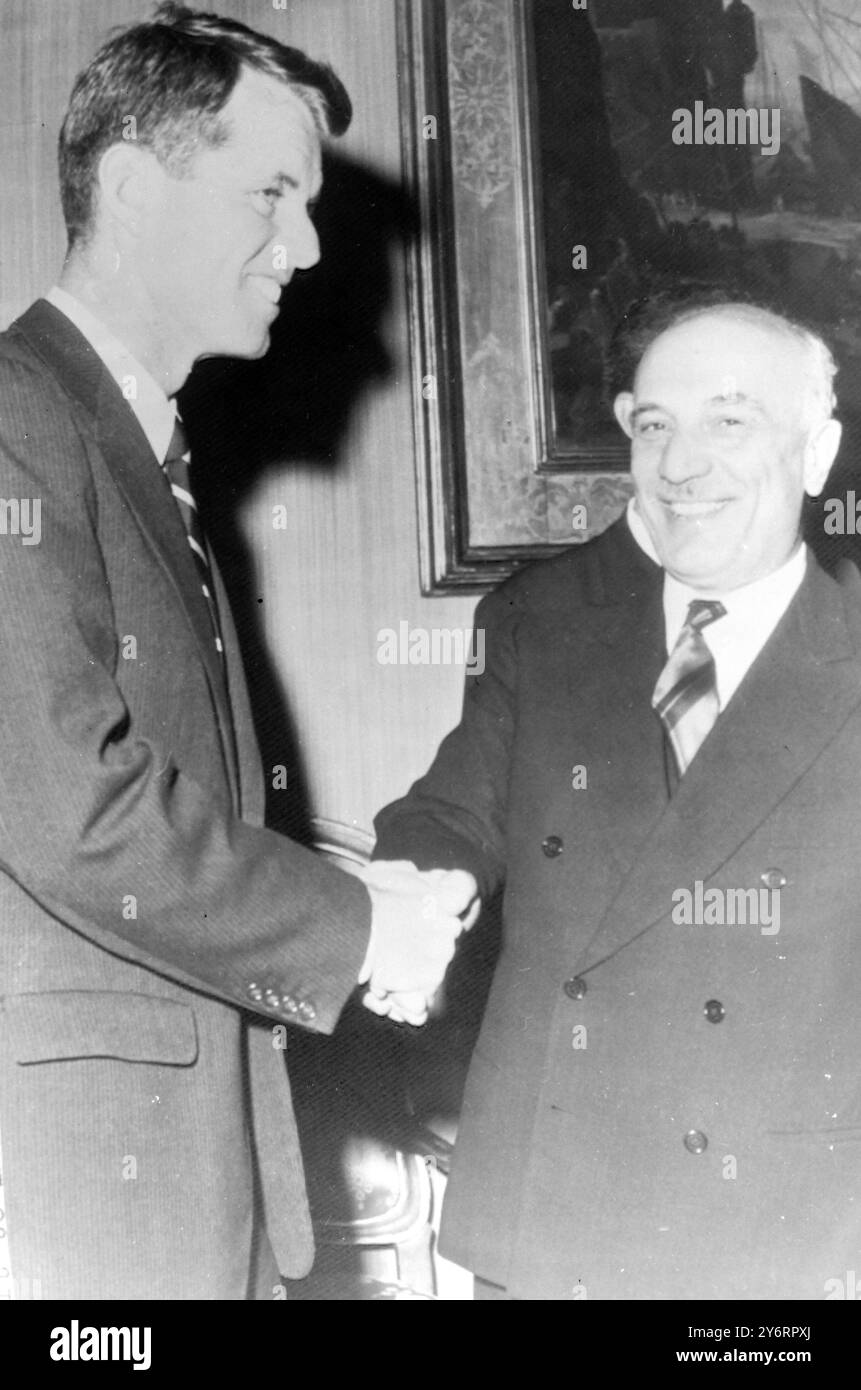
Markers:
455,816
92,814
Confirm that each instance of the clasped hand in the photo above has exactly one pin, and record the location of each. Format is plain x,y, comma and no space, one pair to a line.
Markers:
417,918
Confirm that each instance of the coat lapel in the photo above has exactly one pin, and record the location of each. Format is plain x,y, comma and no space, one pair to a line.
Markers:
611,678
135,469
252,798
794,699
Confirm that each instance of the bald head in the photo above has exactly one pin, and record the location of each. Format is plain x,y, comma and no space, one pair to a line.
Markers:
817,365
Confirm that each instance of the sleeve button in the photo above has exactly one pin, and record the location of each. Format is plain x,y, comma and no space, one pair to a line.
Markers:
695,1142
575,988
774,878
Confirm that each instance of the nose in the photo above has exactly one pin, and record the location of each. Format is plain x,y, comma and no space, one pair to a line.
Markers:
298,235
685,456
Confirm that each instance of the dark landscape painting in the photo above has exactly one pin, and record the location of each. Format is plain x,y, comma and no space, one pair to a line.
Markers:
784,221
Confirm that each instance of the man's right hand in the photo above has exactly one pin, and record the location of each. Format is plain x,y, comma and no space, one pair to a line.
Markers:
415,925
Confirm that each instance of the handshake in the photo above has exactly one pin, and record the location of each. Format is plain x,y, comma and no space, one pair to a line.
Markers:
417,918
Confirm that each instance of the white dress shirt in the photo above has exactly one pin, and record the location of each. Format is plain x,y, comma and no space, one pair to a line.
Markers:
155,412
752,611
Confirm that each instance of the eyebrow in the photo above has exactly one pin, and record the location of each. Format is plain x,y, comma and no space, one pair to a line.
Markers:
645,408
282,180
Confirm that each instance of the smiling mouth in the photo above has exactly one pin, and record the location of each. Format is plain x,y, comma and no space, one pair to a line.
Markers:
269,288
695,510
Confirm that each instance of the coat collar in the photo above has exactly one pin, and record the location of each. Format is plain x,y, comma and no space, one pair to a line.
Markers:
619,573
127,453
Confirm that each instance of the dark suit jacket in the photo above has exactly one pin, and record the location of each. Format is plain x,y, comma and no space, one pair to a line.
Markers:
144,1115
572,1171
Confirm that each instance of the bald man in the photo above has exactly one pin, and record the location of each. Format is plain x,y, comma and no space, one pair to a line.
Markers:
661,763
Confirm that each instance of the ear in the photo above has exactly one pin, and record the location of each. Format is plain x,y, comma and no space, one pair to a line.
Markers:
623,407
126,177
820,452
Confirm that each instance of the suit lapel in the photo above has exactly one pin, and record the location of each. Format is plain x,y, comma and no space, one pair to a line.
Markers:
135,469
619,666
251,795
794,699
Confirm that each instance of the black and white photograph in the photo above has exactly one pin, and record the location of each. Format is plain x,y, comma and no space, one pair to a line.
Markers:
430,665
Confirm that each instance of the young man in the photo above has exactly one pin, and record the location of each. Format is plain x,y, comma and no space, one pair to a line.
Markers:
148,1143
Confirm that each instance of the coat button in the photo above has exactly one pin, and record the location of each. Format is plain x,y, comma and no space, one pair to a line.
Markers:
288,1003
774,878
307,1012
256,993
695,1142
714,1011
272,999
576,988
552,846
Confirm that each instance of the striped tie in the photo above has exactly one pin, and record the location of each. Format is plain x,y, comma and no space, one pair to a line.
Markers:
686,697
176,465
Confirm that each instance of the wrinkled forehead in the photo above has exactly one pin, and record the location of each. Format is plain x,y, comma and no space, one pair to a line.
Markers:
726,352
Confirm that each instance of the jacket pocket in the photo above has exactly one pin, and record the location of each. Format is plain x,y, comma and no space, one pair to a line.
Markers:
65,1025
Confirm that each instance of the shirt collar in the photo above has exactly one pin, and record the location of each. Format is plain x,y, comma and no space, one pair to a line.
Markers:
752,611
751,605
156,414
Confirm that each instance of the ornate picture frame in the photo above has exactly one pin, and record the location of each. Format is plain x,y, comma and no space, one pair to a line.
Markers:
490,497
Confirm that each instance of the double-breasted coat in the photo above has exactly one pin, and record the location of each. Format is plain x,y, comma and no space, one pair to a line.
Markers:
655,1109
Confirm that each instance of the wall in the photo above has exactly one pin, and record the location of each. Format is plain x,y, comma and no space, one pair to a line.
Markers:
346,564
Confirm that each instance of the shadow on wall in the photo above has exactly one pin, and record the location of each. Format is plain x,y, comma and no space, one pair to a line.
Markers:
243,418
295,404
